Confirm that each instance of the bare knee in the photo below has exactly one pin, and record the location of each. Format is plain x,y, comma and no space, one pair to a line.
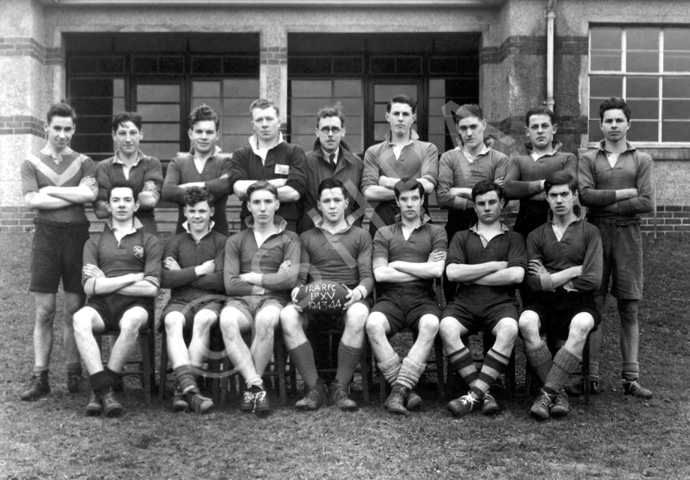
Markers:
356,318
376,326
428,326
132,321
265,323
449,328
204,321
529,326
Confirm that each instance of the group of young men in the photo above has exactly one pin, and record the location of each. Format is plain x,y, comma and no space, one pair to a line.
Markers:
247,285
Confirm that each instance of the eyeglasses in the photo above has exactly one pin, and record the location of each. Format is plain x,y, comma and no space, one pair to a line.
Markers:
333,130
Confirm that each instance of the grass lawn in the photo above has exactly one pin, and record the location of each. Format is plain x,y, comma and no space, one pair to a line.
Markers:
616,437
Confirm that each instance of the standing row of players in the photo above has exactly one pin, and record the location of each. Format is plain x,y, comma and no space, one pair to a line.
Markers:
614,181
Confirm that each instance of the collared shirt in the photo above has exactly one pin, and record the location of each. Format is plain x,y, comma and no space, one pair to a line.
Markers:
390,245
126,168
185,225
469,247
122,232
135,252
471,158
525,174
599,182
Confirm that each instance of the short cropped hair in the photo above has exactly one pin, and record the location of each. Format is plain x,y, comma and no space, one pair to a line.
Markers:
120,185
329,183
540,111
469,110
331,111
201,114
61,109
614,103
407,184
261,185
402,99
122,118
486,186
262,104
196,195
560,177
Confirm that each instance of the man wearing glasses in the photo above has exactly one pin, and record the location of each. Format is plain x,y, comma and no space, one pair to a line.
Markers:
332,158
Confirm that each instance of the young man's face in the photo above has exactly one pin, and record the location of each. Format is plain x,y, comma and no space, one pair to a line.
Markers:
60,131
198,217
122,204
330,132
400,118
332,205
471,130
615,125
561,200
127,138
410,203
263,205
204,136
541,131
488,207
266,123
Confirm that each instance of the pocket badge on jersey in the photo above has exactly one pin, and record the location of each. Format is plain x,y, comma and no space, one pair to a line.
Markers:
282,169
138,251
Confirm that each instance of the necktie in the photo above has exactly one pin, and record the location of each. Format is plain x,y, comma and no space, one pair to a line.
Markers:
331,160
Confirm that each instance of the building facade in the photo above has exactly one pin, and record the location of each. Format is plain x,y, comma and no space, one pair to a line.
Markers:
162,57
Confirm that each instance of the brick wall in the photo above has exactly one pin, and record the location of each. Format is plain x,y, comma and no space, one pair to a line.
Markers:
16,219
670,220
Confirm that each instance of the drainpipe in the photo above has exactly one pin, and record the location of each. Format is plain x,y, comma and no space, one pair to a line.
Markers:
550,18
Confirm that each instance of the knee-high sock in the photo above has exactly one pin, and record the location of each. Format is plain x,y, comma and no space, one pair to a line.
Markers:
303,358
390,368
185,378
540,359
348,358
409,374
564,363
494,364
631,371
461,360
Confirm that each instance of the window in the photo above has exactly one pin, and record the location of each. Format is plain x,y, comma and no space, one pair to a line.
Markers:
650,68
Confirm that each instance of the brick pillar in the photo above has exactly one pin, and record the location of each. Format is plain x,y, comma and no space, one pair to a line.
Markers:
273,74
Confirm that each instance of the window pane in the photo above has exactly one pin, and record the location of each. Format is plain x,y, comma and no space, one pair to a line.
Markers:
677,62
643,87
158,93
311,88
677,39
380,130
594,108
95,124
383,93
437,88
119,87
643,131
91,106
353,125
352,107
409,65
642,38
237,125
606,87
303,125
214,103
676,87
159,112
236,107
606,37
163,131
355,143
348,65
606,60
308,107
91,88
163,151
241,87
676,110
676,132
118,105
645,109
643,61
436,107
206,89
347,88
437,125
380,112
304,141
207,65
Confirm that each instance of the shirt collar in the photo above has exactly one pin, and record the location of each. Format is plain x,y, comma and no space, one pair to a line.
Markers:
318,223
136,225
254,142
216,151
116,158
504,228
469,156
602,147
278,221
185,225
425,218
413,136
577,210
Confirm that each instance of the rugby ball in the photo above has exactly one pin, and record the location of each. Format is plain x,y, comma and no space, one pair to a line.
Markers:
322,297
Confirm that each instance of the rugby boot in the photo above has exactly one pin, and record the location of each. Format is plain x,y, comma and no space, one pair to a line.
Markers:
75,382
414,401
38,388
561,405
94,408
340,397
395,403
179,404
489,404
111,407
462,406
247,403
199,403
315,399
262,407
634,389
541,408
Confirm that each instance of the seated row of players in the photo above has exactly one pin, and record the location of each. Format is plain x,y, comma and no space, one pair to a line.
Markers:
58,189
